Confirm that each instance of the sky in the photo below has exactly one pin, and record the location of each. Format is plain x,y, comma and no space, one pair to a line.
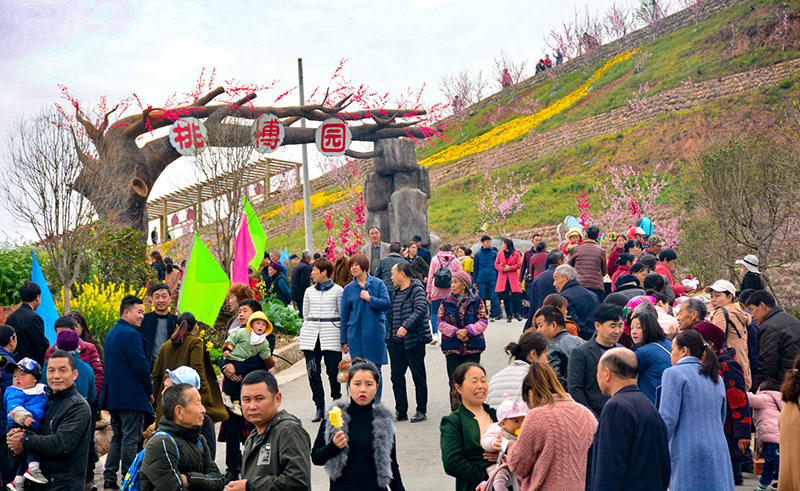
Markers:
116,48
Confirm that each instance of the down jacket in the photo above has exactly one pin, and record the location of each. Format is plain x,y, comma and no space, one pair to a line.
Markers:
507,381
778,345
414,316
34,400
322,316
767,406
89,355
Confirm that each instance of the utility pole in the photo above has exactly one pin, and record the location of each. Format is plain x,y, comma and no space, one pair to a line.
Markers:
306,185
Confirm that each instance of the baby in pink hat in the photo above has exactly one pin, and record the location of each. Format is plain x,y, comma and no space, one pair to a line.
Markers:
510,415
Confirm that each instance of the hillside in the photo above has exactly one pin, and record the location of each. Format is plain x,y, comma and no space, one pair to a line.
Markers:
701,76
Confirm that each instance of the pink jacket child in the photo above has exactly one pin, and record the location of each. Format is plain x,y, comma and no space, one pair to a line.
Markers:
766,405
444,258
510,416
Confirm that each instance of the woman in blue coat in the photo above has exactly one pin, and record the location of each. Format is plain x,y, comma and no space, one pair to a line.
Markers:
694,407
654,353
364,304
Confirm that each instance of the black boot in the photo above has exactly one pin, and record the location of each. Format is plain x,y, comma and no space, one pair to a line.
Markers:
318,417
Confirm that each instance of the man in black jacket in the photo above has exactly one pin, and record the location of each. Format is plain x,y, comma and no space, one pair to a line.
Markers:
157,326
301,280
65,432
385,265
542,286
182,458
407,334
630,449
778,338
31,341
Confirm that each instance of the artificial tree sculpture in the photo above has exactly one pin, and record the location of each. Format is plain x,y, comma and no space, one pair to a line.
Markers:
133,170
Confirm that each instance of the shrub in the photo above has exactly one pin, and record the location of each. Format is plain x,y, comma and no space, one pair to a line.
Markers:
285,320
15,268
99,304
122,258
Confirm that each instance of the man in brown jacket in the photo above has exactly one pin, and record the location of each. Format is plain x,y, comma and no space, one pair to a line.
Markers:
589,259
341,268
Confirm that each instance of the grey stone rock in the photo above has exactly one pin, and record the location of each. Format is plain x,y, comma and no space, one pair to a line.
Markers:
434,242
408,212
377,191
419,179
396,154
381,220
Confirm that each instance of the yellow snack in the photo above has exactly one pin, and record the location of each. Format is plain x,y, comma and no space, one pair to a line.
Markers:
335,417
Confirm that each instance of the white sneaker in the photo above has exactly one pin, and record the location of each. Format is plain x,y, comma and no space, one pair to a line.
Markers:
226,400
12,486
36,476
435,339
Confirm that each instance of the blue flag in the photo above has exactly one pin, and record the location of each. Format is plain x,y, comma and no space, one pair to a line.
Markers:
284,255
47,309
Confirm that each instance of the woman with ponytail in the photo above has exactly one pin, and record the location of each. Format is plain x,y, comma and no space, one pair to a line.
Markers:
693,406
531,346
186,348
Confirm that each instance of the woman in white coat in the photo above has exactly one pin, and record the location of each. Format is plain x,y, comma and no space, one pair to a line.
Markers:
531,347
320,336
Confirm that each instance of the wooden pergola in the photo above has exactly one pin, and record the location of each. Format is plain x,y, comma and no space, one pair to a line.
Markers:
195,195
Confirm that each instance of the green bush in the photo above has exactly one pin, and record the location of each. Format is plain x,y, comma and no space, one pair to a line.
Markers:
284,319
15,269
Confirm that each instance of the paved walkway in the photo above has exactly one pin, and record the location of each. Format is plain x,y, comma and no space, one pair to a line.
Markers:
417,444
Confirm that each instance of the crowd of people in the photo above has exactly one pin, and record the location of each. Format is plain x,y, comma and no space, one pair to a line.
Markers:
624,377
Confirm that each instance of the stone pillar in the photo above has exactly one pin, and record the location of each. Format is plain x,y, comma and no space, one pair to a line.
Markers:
397,192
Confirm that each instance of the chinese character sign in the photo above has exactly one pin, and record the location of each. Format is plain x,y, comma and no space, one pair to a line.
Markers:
268,133
188,136
333,137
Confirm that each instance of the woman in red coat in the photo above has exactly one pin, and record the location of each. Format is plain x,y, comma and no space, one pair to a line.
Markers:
507,264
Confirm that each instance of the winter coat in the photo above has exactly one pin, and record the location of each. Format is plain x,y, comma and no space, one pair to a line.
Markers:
322,317
301,280
677,288
414,315
667,322
483,266
191,353
558,354
364,323
369,461
653,358
341,272
540,288
85,383
5,382
148,329
624,294
493,432
419,267
368,249
611,264
278,458
280,288
424,254
128,383
693,408
778,345
619,272
589,259
736,335
751,281
187,452
453,264
582,375
384,272
468,313
33,400
510,277
507,381
460,442
737,416
89,355
29,327
551,451
580,307
789,424
63,443
766,406
630,449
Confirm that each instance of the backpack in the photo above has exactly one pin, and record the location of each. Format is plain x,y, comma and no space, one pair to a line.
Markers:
443,276
131,482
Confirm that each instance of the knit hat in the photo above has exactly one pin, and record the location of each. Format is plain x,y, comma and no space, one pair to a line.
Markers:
276,266
712,332
463,277
511,409
575,230
626,280
262,316
27,365
184,375
648,260
67,340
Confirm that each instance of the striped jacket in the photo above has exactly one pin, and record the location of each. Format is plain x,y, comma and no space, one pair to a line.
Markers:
322,308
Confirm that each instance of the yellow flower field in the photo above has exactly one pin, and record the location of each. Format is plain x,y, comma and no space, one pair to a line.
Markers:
518,127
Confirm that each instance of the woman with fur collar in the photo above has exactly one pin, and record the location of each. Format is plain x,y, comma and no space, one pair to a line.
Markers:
358,451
